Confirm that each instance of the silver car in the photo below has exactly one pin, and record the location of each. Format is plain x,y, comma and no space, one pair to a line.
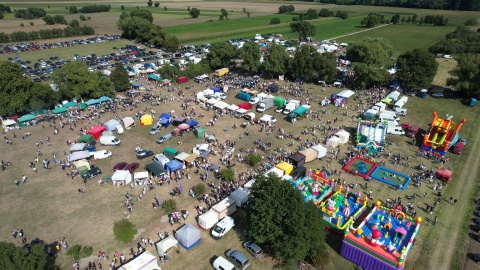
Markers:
253,249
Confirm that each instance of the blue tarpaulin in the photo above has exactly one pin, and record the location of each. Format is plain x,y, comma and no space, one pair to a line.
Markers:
173,165
92,102
154,77
148,65
192,123
104,99
216,89
135,84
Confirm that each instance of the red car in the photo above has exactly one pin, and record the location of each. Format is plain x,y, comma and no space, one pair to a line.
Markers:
120,166
405,126
132,167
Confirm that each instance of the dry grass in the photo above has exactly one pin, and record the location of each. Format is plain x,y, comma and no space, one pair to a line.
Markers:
443,72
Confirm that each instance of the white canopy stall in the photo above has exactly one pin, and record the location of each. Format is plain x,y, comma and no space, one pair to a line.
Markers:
333,141
343,135
121,177
208,219
166,244
140,178
144,261
128,122
9,124
321,150
233,107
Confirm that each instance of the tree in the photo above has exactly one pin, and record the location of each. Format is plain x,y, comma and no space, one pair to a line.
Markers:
250,54
122,7
224,13
369,75
324,12
142,13
157,4
48,20
78,252
253,159
171,43
194,12
371,51
149,3
467,76
372,20
42,97
169,71
169,205
13,257
276,61
221,54
286,9
396,19
303,29
326,66
119,78
227,174
73,9
275,21
15,90
270,221
311,14
416,68
124,230
83,18
199,189
74,23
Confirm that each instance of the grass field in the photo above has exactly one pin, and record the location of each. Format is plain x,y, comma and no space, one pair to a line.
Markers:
443,73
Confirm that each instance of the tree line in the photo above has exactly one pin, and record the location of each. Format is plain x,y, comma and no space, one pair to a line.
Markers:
466,5
5,9
313,14
138,25
69,31
29,13
373,19
89,9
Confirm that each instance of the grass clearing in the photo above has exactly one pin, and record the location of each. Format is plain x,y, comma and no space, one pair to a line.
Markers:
443,72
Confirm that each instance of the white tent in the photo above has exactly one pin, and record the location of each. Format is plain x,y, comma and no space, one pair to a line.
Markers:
140,177
208,219
128,122
77,147
8,124
346,93
249,185
343,135
78,155
166,244
241,111
225,207
182,156
121,177
233,107
199,148
208,92
111,125
144,261
188,236
221,105
276,171
212,101
321,150
394,95
240,196
333,141
80,163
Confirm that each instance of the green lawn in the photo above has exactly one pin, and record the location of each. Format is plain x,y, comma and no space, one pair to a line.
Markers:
404,37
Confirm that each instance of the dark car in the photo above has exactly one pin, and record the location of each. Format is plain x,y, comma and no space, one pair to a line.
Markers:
476,258
120,166
93,172
299,172
437,94
253,249
144,153
132,167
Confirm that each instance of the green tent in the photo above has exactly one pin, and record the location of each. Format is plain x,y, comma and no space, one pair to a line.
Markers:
86,138
200,132
83,106
170,151
38,112
70,104
25,118
154,77
82,170
279,102
59,110
300,110
387,100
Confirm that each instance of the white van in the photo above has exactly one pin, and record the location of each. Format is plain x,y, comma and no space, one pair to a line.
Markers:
222,227
101,154
221,263
401,102
388,116
161,159
394,128
110,140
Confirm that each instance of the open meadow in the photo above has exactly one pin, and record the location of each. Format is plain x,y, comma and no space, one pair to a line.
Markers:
49,206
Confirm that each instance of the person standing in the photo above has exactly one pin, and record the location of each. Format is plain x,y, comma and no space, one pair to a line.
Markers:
435,221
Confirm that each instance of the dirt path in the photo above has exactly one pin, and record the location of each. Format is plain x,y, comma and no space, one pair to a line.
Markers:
358,32
443,251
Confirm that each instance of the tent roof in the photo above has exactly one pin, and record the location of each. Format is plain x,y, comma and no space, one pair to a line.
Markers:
128,121
445,173
192,123
81,163
346,93
212,101
188,236
70,104
92,102
25,118
221,105
140,175
78,155
121,175
386,100
170,151
276,171
182,156
59,110
173,165
223,204
154,77
286,167
8,122
342,132
96,129
310,154
166,244
233,107
77,146
297,157
191,157
143,261
112,122
241,110
155,168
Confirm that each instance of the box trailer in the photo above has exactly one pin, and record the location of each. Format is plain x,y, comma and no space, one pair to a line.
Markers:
221,72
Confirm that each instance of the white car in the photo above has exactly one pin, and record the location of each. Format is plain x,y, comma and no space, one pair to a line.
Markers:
101,154
222,227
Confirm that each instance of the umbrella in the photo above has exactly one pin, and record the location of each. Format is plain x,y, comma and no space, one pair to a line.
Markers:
213,167
183,126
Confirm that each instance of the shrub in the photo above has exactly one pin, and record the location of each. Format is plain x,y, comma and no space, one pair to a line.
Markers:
275,21
59,19
78,252
22,25
227,174
194,13
74,23
471,22
122,7
199,189
89,18
169,205
83,18
149,3
248,14
124,230
253,159
95,9
157,4
165,8
73,9
32,23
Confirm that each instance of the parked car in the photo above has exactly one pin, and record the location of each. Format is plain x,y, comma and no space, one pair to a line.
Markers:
279,109
222,227
120,166
221,263
476,258
253,249
144,153
93,172
238,259
132,167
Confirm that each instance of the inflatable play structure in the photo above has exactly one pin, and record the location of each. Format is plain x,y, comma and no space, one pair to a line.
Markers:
382,241
371,136
390,177
360,166
342,209
315,187
443,134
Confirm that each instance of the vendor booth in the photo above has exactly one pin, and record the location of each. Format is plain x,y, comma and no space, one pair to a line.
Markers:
86,138
111,125
275,171
182,156
59,110
192,123
444,175
81,163
310,154
154,169
9,124
170,152
225,207
128,122
121,177
208,219
22,120
144,261
166,244
179,120
297,159
96,131
321,150
200,132
240,196
146,120
140,178
286,167
343,136
173,165
188,236
78,155
333,141
165,119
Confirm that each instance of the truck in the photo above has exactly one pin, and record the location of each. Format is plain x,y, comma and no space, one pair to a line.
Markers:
298,112
221,72
290,106
265,105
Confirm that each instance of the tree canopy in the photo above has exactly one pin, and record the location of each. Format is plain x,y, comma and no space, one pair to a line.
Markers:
416,68
303,29
119,78
370,51
310,65
372,20
250,54
467,76
277,60
221,54
194,12
275,208
13,257
15,90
